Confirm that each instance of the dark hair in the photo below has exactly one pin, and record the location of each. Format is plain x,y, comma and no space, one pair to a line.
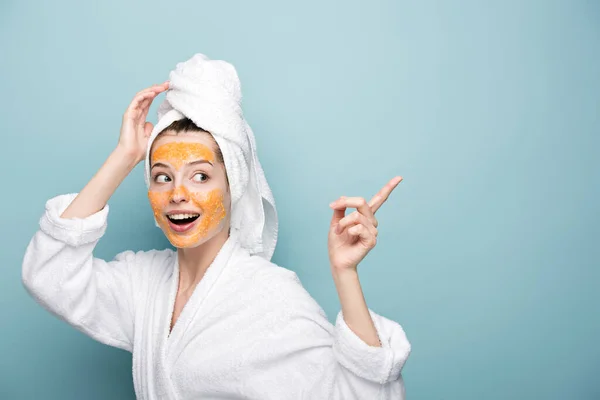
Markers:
187,125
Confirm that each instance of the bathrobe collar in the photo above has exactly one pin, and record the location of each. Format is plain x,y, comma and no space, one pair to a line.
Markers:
171,351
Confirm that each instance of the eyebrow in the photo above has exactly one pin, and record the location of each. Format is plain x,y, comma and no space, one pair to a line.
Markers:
159,164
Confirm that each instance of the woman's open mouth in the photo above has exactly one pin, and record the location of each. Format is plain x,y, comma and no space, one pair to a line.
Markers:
182,222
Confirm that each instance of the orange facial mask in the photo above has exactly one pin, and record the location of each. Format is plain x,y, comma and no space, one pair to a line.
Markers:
178,153
209,202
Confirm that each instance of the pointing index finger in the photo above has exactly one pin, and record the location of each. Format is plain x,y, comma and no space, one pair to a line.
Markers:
381,196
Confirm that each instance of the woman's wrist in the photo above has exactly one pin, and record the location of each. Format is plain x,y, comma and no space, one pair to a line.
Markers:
128,157
344,274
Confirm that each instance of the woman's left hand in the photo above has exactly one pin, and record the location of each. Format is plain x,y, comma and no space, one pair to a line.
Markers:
352,236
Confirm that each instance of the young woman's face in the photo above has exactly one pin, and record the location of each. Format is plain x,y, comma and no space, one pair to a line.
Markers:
188,188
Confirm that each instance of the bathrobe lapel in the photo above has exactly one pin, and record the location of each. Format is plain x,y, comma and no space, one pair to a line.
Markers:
174,342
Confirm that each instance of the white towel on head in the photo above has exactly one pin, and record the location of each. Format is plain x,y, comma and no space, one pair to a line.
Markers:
208,92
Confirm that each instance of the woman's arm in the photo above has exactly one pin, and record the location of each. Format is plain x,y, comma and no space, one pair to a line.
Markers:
60,272
130,150
302,356
59,269
351,237
354,307
94,196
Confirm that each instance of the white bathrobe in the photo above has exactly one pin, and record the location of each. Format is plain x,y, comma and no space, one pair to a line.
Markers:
249,331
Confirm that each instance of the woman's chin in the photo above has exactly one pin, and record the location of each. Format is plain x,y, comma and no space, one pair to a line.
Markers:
190,240
182,242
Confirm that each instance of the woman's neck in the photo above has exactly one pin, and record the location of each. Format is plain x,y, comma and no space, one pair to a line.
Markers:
193,262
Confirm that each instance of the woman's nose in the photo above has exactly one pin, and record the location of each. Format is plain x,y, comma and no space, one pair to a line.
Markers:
180,194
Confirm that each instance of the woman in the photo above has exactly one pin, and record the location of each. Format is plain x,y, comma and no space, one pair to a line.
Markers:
215,318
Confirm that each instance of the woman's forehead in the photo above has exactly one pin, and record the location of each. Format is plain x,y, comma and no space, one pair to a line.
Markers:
182,152
183,145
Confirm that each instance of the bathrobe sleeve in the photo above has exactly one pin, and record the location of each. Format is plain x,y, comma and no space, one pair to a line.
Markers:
60,272
302,356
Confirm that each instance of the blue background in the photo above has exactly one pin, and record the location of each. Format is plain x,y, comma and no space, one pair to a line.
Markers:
489,250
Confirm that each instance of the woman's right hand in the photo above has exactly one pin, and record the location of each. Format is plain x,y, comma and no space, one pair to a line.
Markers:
135,130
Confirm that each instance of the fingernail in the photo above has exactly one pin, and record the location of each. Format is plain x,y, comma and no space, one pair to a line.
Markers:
331,204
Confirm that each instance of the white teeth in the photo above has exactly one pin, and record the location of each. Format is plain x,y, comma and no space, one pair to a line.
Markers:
182,216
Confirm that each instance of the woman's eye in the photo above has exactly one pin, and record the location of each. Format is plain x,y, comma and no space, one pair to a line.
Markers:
200,177
161,178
